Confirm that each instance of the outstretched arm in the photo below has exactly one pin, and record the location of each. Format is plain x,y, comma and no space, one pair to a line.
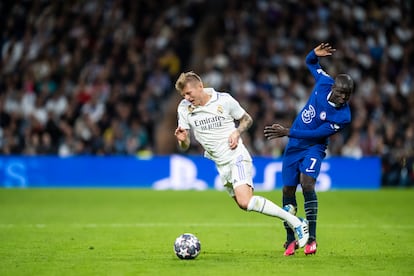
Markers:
312,59
275,131
324,130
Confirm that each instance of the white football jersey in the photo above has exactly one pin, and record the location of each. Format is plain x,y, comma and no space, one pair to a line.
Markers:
212,125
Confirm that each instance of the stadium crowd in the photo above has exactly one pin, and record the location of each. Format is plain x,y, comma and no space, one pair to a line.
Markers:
97,77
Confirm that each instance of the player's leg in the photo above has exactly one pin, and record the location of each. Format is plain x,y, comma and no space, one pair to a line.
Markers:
289,197
310,169
249,202
310,202
242,176
265,206
311,210
242,182
290,175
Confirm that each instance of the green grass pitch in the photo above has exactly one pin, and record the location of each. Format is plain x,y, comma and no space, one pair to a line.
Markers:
132,231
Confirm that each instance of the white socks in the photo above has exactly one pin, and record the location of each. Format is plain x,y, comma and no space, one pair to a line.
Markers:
262,205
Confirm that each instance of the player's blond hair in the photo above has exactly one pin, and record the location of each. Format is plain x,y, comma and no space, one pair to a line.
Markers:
185,78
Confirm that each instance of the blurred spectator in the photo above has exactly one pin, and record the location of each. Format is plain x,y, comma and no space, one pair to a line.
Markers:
352,147
93,77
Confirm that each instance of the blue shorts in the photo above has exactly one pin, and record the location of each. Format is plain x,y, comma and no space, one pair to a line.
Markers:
298,160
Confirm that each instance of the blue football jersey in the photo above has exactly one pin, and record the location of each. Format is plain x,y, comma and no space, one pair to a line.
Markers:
319,118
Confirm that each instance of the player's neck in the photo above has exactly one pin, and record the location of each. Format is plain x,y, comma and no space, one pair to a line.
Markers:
206,99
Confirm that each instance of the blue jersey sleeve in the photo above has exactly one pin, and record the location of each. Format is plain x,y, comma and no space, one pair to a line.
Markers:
324,130
312,62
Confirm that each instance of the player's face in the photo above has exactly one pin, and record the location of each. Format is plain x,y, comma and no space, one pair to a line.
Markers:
193,92
340,96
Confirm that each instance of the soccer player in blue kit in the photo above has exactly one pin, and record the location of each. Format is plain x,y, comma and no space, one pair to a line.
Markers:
326,112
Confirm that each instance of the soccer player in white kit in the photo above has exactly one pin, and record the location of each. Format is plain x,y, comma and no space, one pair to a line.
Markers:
211,115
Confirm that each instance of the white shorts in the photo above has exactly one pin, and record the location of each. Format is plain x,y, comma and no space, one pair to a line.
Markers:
233,175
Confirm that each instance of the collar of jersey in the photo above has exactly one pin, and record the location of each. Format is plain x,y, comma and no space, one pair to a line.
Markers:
212,92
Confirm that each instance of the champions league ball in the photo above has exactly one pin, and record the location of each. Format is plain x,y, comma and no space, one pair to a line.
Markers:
187,246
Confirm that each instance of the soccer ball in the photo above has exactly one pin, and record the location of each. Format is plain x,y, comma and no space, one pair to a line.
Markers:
187,246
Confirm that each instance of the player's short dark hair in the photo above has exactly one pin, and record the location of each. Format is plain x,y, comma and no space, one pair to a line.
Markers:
344,82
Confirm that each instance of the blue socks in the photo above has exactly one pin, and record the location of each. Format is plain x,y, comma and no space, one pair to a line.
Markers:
290,235
311,210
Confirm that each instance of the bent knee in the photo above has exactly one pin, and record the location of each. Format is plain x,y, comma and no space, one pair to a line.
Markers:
243,204
243,194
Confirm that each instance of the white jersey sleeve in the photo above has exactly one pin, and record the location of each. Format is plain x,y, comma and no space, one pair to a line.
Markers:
236,111
183,111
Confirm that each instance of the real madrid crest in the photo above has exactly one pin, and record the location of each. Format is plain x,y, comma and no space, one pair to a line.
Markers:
191,108
220,109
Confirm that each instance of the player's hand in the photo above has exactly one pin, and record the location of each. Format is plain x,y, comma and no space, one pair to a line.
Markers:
324,49
181,134
275,131
234,139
